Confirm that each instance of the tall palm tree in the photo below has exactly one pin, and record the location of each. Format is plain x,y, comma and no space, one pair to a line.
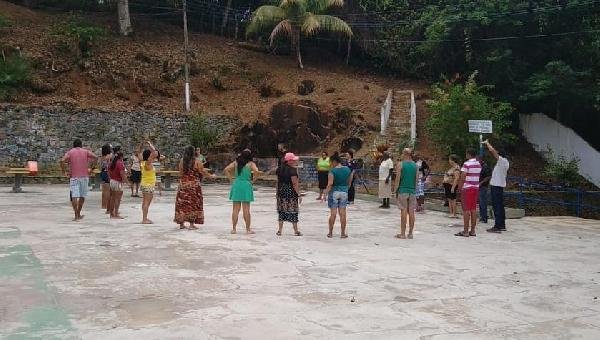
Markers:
295,17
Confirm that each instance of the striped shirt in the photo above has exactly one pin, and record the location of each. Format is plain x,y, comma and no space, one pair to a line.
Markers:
472,169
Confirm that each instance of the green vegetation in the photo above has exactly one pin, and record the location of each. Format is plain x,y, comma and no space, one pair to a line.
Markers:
201,133
295,17
4,22
541,56
453,104
561,169
14,73
75,32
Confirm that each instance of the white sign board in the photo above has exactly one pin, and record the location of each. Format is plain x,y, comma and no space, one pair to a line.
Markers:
480,126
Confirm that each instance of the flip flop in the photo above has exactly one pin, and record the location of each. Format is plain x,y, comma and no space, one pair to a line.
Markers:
462,234
400,236
344,236
329,235
278,233
297,233
472,234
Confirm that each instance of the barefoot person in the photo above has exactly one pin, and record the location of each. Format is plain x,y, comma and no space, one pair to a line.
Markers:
288,193
340,178
118,175
323,167
148,180
136,172
469,182
78,159
242,193
105,179
189,204
406,183
451,177
386,170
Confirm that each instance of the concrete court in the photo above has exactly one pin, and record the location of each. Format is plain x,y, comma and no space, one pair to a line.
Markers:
106,279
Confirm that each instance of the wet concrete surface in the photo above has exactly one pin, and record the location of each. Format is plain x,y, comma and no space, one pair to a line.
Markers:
107,279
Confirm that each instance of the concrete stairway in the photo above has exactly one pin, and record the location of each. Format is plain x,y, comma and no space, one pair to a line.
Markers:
397,132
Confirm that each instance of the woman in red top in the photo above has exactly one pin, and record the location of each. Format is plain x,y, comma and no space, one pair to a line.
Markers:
117,174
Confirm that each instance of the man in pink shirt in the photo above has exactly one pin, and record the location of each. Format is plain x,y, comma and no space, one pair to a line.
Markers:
469,182
78,159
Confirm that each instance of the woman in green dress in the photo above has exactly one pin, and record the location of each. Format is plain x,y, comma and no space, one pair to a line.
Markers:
241,173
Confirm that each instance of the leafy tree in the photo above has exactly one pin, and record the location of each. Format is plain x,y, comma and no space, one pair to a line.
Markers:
14,73
561,169
201,133
295,17
454,104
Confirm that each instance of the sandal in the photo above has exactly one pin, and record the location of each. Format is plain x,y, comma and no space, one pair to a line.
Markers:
400,236
181,226
344,236
462,233
249,231
329,235
278,233
472,233
297,233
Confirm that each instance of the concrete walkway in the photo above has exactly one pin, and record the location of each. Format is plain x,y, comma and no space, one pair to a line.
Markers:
105,279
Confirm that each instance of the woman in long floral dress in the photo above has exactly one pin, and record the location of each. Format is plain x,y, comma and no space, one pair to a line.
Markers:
189,204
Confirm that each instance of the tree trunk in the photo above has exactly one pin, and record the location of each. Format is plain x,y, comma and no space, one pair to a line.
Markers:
124,20
225,17
296,45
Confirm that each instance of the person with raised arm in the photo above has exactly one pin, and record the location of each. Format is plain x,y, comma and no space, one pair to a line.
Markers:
497,185
148,180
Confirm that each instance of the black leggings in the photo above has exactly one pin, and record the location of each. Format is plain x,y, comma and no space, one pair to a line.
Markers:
351,193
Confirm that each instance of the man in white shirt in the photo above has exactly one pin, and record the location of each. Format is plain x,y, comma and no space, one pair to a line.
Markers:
386,169
497,185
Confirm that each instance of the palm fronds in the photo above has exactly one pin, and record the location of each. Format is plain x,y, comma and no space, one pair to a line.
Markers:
283,28
264,18
315,23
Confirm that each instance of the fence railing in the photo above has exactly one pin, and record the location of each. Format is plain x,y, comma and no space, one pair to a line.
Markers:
386,109
526,194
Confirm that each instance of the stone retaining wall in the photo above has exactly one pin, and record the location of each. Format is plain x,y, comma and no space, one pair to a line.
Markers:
46,133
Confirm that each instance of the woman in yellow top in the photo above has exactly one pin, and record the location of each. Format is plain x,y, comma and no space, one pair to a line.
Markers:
323,167
148,180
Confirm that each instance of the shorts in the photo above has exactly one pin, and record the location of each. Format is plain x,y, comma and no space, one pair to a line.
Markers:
420,189
136,176
337,199
385,189
104,177
116,185
407,202
147,189
469,199
448,193
79,187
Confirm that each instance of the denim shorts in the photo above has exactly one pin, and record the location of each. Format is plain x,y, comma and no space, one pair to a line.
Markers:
79,187
337,199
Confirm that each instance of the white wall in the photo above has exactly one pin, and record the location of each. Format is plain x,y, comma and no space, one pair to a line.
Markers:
544,132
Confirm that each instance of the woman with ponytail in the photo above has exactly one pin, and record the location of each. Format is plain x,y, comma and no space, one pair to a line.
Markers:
117,174
241,174
189,204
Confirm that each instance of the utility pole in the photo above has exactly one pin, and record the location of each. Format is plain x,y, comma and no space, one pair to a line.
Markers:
186,67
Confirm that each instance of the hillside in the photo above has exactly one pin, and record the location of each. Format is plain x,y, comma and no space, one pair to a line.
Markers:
143,73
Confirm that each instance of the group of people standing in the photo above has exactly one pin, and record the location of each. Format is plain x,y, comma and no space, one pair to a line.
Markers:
336,174
474,180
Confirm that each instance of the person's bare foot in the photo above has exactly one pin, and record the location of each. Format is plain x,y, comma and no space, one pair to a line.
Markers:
233,231
118,217
344,236
147,222
249,231
193,227
410,236
75,219
81,217
400,236
182,226
330,235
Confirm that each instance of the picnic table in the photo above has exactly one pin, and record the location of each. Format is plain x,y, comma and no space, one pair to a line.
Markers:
168,178
18,174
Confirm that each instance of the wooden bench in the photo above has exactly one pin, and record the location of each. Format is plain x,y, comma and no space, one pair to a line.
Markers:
18,174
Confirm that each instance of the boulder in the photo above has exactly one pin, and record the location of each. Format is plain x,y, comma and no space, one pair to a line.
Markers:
306,87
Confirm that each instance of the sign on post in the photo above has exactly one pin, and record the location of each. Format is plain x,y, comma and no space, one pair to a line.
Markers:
480,126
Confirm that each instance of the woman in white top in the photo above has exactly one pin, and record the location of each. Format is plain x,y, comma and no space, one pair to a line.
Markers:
136,172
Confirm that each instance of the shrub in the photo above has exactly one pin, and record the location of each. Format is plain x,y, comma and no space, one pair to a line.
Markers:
79,33
201,133
561,169
4,22
14,73
453,105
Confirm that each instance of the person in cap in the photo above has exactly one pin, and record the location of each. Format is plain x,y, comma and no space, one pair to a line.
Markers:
288,193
